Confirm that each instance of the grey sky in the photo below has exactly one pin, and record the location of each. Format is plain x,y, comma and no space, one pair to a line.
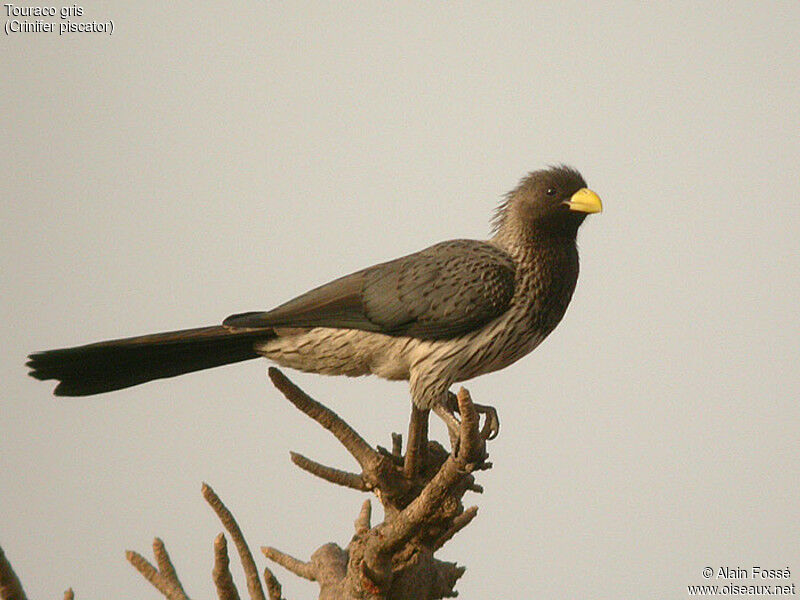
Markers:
211,159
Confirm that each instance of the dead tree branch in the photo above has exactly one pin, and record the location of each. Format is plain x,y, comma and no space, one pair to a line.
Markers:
248,564
421,494
164,578
223,580
10,585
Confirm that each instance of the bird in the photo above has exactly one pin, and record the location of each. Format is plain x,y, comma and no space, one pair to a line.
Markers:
446,314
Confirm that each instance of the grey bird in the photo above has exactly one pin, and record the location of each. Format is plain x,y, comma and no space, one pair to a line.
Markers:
446,314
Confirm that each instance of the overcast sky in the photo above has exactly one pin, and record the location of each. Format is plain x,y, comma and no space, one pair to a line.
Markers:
209,158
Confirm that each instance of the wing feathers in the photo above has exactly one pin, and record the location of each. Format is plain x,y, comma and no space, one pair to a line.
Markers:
335,304
443,291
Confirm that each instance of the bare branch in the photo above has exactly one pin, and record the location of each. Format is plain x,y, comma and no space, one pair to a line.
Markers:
169,586
141,564
353,442
474,487
337,476
10,585
248,564
417,442
290,563
423,488
165,566
223,580
397,444
362,522
274,589
381,470
470,442
459,523
421,494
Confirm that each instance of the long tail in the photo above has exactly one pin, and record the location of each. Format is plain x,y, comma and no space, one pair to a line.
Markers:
117,364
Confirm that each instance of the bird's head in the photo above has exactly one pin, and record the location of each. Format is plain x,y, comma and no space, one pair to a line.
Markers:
550,201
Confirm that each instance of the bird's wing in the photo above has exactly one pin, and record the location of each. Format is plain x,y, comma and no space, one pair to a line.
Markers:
443,291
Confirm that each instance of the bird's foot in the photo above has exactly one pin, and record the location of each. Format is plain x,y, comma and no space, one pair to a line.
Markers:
491,422
489,431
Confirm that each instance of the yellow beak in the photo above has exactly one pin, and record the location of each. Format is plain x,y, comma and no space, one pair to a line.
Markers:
585,200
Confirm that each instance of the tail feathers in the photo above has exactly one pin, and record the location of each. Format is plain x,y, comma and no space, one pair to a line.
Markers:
117,364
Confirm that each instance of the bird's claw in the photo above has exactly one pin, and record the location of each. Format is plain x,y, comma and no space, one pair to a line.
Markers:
491,422
491,426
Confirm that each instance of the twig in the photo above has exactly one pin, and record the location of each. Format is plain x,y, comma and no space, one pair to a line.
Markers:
353,442
248,564
165,581
290,563
471,444
223,580
459,523
397,444
417,442
165,566
362,523
337,476
10,585
274,589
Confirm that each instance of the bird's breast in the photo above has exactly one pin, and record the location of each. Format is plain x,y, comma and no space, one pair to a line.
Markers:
547,284
546,279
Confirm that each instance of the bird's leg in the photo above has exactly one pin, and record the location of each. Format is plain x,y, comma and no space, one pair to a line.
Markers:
417,444
491,424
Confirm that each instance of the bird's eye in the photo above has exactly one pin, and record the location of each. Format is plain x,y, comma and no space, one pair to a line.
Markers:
551,191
